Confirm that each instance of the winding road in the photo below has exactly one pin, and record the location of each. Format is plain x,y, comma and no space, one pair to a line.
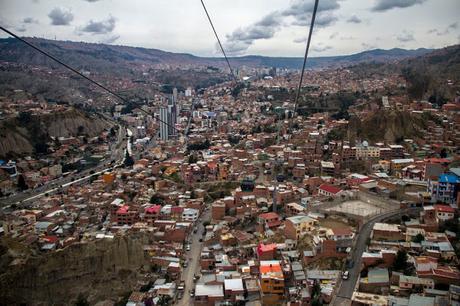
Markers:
347,287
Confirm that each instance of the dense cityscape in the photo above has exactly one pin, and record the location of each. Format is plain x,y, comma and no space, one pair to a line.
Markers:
184,185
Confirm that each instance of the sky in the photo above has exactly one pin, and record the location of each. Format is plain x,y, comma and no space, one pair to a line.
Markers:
246,27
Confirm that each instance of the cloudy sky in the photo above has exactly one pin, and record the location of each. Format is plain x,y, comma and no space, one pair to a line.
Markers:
263,27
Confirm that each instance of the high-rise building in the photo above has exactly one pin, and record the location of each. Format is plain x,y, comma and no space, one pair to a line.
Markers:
175,94
164,123
172,115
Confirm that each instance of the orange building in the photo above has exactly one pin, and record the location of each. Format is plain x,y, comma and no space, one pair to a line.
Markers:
271,277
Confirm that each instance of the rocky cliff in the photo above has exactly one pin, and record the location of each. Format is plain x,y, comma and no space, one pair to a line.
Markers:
102,269
22,135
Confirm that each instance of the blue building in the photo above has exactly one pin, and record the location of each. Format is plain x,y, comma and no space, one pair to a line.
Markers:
446,189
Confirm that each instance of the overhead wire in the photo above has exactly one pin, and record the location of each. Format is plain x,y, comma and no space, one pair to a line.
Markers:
78,73
310,33
218,41
296,101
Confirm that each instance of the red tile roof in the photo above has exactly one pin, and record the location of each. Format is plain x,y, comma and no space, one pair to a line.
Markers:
269,216
444,208
330,188
155,209
123,210
341,231
261,248
274,223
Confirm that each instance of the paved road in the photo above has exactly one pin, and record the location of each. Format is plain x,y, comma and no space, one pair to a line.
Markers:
193,259
347,287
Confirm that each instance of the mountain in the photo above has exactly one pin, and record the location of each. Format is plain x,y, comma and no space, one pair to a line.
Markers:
103,57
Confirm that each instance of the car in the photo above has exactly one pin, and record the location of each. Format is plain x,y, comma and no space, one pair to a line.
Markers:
188,248
181,286
192,292
185,265
346,275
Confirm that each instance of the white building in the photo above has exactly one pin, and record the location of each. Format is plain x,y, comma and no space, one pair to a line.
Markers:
190,214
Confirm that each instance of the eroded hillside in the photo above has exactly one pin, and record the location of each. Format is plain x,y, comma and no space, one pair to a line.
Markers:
100,270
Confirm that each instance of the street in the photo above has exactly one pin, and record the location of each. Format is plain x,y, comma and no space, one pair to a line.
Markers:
117,154
193,257
347,287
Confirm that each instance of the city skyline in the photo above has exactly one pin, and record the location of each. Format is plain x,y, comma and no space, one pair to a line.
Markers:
274,28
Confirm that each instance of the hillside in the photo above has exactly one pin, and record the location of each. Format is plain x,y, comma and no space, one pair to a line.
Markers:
28,134
100,57
104,270
434,76
393,125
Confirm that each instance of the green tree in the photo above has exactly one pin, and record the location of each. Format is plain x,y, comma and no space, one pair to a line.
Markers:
81,300
400,261
164,300
155,199
129,161
316,294
418,238
22,183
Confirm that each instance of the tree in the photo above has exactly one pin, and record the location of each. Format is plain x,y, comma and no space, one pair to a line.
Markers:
316,294
80,129
164,300
155,199
418,238
24,117
129,161
443,153
22,183
81,300
192,159
400,261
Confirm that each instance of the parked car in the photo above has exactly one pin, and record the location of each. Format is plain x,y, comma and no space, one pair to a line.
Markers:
188,248
346,275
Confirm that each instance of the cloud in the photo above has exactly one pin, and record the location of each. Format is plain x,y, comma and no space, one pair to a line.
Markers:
405,37
302,10
321,21
321,48
298,13
21,28
354,19
29,20
242,38
100,27
60,16
333,35
367,46
385,5
300,40
452,26
347,38
110,40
